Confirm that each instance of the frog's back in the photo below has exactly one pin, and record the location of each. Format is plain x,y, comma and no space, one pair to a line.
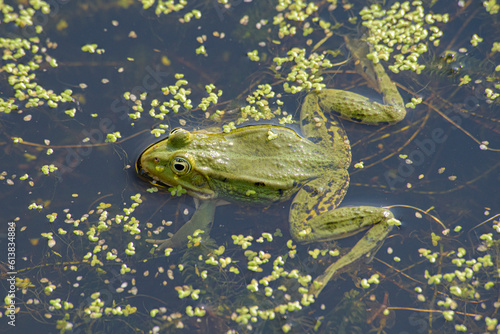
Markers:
259,163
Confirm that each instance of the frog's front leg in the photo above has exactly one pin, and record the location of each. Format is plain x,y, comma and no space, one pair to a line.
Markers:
202,219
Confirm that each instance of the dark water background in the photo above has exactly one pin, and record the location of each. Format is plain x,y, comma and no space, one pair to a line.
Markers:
105,172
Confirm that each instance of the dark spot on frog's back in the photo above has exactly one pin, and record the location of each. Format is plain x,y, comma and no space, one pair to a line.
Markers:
260,184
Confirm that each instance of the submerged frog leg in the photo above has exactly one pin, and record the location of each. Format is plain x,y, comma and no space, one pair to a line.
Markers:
358,108
344,222
364,248
376,76
202,219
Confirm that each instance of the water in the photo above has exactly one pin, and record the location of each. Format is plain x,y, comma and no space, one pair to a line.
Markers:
447,175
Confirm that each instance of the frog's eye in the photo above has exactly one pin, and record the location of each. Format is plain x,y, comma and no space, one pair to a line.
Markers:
180,166
174,131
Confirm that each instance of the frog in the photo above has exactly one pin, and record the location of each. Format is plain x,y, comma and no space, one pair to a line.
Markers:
262,164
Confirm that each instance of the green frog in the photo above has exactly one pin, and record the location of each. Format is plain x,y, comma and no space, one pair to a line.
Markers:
264,164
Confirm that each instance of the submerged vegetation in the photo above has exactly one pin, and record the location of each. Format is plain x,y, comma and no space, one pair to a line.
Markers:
72,109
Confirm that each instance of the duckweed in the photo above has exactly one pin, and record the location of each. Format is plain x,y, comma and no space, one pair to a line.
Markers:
278,283
403,27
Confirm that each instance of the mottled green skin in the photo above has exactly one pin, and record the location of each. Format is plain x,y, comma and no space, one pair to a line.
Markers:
228,165
262,164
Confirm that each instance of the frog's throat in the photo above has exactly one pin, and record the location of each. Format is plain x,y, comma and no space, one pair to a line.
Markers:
203,195
200,193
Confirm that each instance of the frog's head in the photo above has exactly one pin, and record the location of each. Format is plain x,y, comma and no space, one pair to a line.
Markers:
170,162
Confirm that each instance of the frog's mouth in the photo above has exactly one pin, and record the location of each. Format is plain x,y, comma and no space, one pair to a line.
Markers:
143,174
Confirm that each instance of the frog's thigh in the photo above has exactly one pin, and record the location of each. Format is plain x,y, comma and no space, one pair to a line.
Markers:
313,200
325,132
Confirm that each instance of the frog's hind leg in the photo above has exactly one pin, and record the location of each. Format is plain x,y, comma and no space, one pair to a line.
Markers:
366,248
315,199
328,133
360,109
341,223
377,78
